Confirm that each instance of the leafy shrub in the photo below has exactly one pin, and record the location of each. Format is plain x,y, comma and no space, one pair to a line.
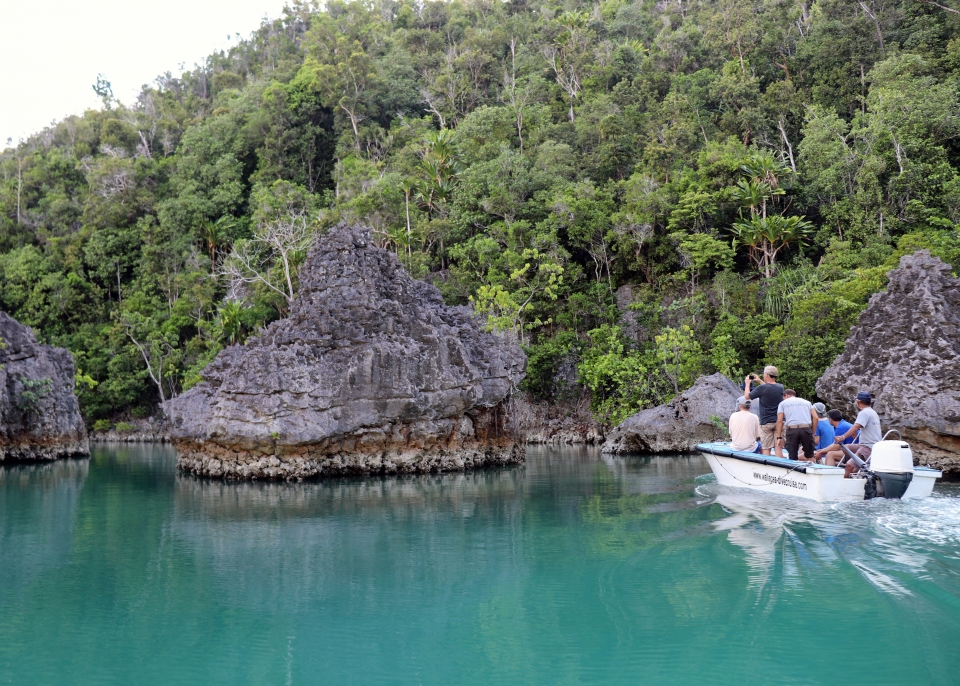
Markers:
810,340
101,425
125,427
33,391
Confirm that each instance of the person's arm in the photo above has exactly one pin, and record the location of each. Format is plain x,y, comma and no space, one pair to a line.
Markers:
746,388
816,418
852,431
780,426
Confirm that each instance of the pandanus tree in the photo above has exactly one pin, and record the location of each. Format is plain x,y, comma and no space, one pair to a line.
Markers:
766,231
439,167
765,237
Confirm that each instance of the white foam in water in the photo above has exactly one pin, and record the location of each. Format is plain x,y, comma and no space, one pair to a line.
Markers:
935,520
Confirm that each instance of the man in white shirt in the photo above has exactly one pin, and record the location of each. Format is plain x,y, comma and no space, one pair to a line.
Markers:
796,422
744,428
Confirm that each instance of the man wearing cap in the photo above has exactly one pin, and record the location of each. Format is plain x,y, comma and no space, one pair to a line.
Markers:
769,394
744,427
868,424
796,423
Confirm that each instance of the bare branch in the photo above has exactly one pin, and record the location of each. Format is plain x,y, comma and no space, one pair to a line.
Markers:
937,4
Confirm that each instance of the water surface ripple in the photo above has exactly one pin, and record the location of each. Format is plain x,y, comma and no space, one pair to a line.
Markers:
571,569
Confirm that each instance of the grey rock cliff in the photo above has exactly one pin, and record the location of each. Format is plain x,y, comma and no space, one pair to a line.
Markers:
679,425
905,349
370,373
39,414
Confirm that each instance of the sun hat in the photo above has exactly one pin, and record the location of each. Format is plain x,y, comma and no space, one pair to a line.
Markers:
865,397
821,409
744,402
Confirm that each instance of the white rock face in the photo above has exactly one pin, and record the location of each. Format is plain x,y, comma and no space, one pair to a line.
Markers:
905,350
370,373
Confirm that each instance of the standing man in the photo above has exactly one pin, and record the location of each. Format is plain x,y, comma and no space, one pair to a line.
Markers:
868,424
744,427
798,419
769,393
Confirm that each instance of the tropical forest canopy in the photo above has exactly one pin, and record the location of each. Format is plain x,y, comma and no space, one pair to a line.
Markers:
642,191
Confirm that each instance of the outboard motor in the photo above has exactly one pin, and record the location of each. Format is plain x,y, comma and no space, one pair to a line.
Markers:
892,464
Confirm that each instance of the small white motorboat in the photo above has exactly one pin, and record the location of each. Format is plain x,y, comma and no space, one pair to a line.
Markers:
889,473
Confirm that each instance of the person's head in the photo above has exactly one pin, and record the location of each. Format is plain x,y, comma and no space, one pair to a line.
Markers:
770,374
744,404
821,410
864,399
834,417
789,393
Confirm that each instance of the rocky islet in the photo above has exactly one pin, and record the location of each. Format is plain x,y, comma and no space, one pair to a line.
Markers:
39,413
905,350
370,373
679,425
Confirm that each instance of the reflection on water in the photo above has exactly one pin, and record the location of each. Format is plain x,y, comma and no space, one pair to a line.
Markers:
39,501
572,568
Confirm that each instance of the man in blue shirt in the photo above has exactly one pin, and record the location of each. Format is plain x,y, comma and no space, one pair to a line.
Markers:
840,426
823,436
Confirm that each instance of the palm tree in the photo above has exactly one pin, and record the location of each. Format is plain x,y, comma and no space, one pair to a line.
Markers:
214,234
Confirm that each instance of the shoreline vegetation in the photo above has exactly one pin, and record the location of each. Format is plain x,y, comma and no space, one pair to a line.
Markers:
641,192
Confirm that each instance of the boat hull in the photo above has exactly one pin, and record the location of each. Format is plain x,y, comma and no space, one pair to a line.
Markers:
800,479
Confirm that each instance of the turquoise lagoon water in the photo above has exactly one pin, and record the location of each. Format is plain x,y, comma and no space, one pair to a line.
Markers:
571,569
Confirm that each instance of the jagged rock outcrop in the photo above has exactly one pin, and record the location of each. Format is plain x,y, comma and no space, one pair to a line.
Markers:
370,373
680,424
905,350
39,414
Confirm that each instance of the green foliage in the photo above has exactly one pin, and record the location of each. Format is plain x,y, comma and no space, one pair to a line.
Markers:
101,425
809,341
32,391
645,191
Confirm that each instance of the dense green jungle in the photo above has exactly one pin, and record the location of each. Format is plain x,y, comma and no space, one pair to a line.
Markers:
641,191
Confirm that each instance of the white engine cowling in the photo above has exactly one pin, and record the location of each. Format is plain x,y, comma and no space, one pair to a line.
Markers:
894,457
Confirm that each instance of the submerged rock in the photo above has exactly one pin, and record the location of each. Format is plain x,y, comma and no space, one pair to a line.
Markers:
681,424
39,414
905,350
370,373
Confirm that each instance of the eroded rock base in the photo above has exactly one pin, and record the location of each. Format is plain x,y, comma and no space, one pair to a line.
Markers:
43,451
215,461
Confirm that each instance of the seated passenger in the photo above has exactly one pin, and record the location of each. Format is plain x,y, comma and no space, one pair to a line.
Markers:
868,424
744,428
823,436
840,426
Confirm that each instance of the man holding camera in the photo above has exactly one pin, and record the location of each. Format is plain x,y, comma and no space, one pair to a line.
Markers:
770,395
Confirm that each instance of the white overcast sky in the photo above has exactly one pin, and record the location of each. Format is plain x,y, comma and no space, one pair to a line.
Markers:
52,50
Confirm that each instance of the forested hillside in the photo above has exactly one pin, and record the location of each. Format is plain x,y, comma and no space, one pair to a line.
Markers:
642,191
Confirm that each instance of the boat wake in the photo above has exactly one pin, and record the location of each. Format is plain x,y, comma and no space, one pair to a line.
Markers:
794,541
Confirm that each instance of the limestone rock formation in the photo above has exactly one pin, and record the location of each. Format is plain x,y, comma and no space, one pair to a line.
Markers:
680,424
370,373
39,414
564,422
905,350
